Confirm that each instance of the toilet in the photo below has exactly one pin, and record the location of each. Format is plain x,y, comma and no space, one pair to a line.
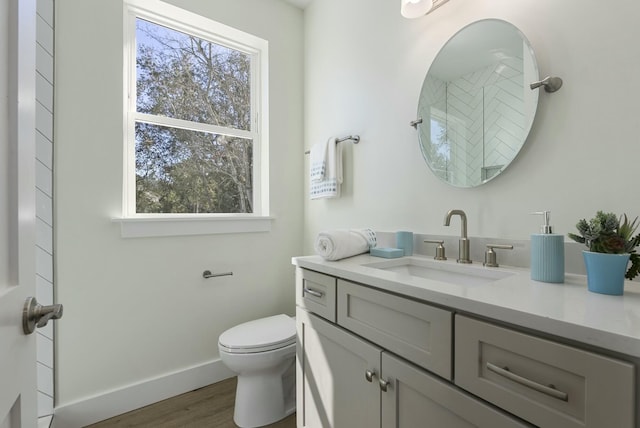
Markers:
262,353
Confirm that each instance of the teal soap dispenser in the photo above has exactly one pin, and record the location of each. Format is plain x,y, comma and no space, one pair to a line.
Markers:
547,253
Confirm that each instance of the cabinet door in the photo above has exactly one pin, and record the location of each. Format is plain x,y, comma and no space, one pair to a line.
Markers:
415,398
332,389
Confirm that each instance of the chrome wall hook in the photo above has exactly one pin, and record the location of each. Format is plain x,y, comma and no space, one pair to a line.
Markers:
551,84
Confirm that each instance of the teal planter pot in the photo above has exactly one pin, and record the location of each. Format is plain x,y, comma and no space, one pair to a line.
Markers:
605,272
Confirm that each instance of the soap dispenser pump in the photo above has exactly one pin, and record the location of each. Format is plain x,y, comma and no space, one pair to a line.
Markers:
547,253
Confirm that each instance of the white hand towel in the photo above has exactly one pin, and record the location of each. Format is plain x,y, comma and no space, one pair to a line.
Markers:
338,244
329,187
318,161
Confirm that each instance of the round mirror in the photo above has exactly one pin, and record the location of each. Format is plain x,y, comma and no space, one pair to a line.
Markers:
476,105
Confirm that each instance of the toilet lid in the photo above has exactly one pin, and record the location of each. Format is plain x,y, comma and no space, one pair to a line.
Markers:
260,335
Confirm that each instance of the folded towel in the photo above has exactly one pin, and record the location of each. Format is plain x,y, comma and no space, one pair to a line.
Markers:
329,186
318,160
338,244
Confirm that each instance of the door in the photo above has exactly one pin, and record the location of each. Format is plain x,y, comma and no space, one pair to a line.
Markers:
17,211
336,377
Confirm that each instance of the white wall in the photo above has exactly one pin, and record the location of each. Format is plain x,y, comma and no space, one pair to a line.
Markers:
137,309
364,73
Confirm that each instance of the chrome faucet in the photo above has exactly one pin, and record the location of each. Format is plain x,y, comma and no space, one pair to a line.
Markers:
463,248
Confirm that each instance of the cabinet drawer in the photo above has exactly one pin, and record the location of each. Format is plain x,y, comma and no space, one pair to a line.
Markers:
316,293
418,332
546,383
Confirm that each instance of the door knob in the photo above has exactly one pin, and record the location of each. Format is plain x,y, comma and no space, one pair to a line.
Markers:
35,315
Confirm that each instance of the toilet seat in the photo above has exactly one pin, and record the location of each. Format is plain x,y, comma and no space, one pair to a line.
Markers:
265,334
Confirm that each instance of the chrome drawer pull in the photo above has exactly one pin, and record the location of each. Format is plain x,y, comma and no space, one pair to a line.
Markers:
552,392
313,292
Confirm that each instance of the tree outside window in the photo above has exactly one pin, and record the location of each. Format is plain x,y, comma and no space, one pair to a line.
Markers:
194,142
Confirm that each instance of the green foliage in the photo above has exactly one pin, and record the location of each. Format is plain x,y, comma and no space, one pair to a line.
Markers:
606,233
634,270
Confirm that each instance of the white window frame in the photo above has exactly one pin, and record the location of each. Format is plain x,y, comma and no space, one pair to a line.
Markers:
140,225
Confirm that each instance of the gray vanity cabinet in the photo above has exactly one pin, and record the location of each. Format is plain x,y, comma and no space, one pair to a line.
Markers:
369,357
347,380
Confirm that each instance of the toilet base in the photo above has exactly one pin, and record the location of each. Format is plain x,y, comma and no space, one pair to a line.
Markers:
264,399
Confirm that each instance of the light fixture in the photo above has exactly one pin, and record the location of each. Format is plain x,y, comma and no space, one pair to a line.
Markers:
417,8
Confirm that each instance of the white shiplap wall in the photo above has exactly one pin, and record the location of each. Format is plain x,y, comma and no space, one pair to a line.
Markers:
44,197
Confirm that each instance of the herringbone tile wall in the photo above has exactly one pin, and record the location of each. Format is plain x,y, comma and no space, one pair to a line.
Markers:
481,116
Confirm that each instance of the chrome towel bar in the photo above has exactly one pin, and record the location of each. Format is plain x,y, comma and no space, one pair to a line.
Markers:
354,138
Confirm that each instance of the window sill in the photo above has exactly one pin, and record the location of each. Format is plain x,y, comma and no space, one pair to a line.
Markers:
182,225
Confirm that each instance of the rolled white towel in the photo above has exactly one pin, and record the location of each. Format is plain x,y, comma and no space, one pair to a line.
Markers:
338,244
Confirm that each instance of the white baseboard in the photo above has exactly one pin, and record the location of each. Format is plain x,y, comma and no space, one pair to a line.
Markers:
104,406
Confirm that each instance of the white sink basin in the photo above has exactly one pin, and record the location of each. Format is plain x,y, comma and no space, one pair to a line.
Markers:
453,273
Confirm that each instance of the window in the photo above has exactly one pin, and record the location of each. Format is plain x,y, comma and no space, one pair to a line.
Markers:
196,116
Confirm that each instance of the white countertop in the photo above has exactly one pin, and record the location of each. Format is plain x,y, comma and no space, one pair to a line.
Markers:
567,310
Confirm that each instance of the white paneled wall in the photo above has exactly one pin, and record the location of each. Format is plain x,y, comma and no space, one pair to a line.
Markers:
44,198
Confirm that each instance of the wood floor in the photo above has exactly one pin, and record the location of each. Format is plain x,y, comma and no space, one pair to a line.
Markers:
209,407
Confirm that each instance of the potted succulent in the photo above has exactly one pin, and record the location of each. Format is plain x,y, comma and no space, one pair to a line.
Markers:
611,243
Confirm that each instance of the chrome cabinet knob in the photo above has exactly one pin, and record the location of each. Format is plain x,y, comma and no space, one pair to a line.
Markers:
35,315
384,384
369,375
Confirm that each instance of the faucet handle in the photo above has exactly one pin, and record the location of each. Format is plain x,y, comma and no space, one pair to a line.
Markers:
439,249
490,259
